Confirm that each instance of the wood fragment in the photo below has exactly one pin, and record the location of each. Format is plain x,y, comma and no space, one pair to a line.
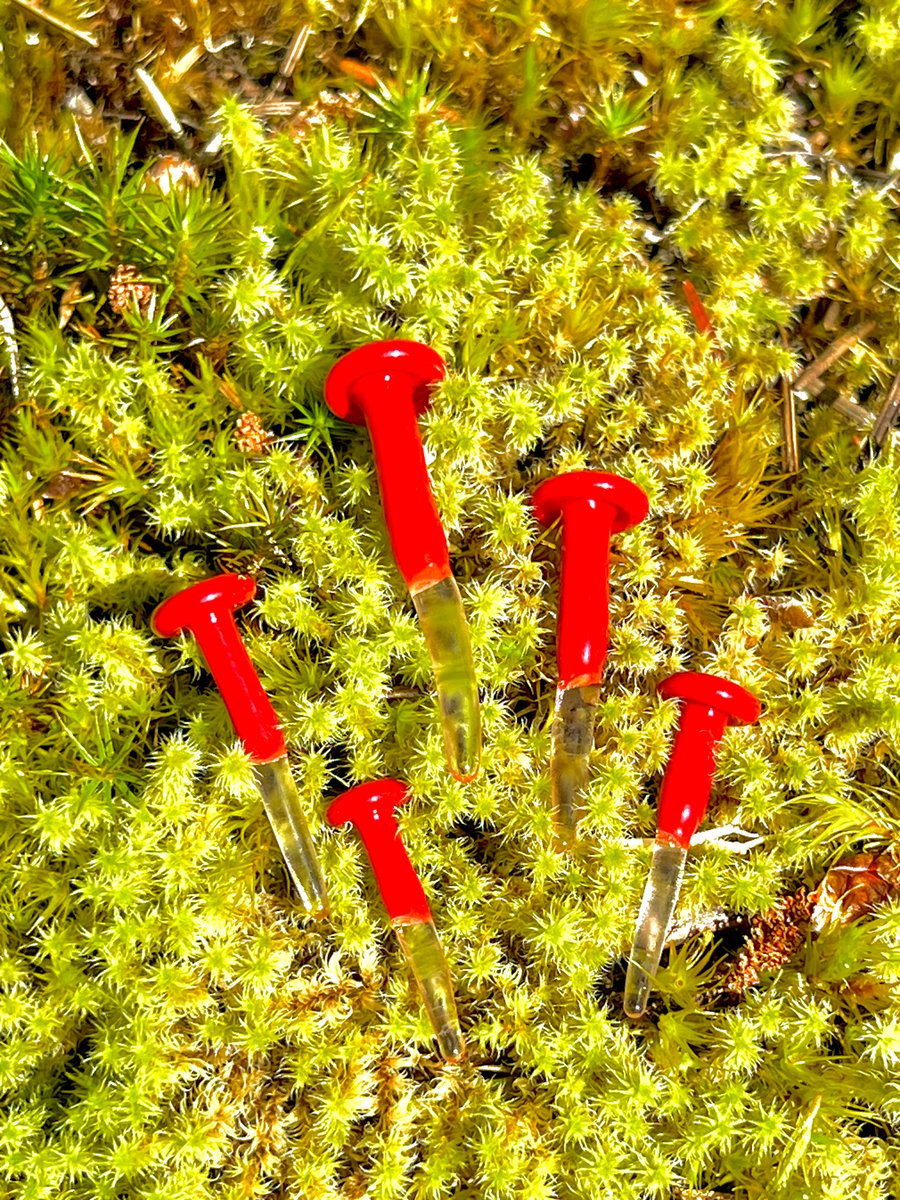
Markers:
57,22
861,417
71,297
888,414
295,51
828,357
790,443
159,103
276,108
189,59
832,316
8,334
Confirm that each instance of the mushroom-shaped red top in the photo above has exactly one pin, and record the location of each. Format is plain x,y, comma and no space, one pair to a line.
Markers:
207,610
370,807
739,706
627,502
710,703
385,385
355,391
210,599
593,506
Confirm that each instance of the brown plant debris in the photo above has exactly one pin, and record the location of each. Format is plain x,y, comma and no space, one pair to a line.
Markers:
126,288
829,357
852,888
775,937
250,436
173,173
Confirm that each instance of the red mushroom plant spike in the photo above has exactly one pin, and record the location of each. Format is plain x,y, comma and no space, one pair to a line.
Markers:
385,385
207,610
593,507
370,808
710,703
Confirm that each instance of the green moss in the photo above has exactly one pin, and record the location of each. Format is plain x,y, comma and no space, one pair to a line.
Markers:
170,1025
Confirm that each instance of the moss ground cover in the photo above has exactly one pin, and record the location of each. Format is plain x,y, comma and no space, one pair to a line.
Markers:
527,190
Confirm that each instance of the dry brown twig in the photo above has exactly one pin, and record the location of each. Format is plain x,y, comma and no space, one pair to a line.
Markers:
830,356
73,31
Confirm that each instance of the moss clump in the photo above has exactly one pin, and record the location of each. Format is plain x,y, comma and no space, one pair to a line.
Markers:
171,1026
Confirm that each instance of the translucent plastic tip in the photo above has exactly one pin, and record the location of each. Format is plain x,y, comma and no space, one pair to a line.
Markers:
282,804
420,944
654,919
573,740
447,635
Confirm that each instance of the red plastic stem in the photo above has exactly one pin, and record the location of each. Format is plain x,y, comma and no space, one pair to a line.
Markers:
593,506
386,384
207,610
710,704
582,635
417,536
369,807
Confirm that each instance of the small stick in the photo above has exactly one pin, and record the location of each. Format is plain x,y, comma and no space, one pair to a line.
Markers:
887,415
8,335
832,316
58,23
789,429
164,110
828,357
861,417
295,51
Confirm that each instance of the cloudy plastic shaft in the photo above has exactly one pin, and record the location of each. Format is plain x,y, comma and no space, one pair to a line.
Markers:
654,919
419,942
573,740
443,622
282,805
592,507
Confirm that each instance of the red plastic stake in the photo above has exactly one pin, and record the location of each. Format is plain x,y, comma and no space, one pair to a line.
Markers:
207,610
593,507
386,385
710,705
370,807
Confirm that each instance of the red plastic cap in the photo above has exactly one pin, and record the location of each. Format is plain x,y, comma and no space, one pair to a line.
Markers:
593,506
629,503
219,594
385,385
739,706
207,610
709,704
370,808
410,366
